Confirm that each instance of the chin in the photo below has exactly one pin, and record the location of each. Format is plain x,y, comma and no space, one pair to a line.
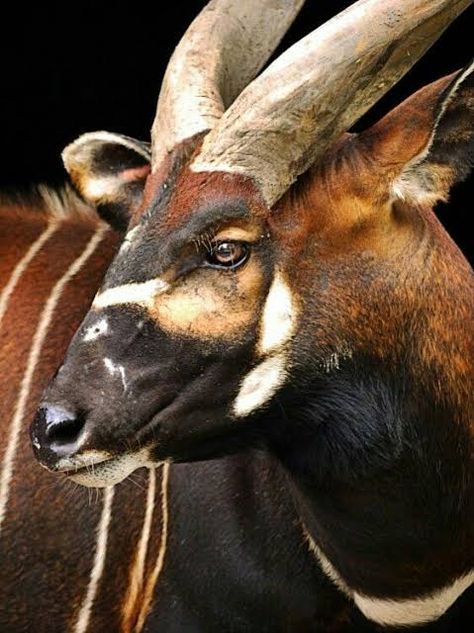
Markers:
112,471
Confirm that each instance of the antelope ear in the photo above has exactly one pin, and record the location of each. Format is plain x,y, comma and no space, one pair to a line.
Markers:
109,171
426,145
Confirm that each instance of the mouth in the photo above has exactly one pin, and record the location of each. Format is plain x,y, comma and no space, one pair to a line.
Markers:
97,469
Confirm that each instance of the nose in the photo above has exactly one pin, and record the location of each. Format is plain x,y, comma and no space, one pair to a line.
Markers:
56,433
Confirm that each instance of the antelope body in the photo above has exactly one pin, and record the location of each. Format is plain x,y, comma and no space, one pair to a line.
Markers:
285,304
76,562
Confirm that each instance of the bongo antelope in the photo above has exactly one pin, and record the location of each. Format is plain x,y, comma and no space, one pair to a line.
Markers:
284,295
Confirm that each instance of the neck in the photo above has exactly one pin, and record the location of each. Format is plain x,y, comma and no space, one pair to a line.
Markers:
381,479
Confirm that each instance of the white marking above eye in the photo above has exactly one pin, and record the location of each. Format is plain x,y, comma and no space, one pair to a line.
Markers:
99,328
279,316
259,385
142,294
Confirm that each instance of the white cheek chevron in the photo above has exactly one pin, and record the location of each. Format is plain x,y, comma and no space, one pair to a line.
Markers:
259,385
279,317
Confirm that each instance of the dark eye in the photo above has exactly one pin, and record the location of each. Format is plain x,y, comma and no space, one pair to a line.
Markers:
228,254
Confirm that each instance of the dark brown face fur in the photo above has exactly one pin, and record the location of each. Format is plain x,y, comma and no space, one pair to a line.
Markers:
350,263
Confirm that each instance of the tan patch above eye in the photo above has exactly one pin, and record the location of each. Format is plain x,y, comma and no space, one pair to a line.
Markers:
238,234
211,304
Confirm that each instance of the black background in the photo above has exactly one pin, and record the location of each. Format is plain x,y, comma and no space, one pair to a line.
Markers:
69,68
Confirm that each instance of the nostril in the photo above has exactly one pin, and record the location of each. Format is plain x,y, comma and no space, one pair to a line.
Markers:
65,430
59,426
56,433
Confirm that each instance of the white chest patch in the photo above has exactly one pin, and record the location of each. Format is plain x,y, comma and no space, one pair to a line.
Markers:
95,331
279,316
259,385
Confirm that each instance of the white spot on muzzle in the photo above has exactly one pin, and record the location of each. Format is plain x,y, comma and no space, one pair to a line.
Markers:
99,328
259,385
279,316
142,294
116,369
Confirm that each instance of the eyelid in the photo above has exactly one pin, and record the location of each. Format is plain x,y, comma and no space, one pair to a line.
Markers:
237,234
188,265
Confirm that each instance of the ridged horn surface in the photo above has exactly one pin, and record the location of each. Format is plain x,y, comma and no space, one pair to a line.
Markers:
223,49
287,117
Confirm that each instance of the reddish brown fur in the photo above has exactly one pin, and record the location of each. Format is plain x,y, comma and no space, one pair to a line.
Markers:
48,536
385,261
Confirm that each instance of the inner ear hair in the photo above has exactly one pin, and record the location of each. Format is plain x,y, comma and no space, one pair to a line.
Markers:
449,153
109,171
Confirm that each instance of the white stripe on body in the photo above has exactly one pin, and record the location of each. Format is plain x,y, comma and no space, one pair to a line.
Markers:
35,350
156,571
83,618
23,264
137,571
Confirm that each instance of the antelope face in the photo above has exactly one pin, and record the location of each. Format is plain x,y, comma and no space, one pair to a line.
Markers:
186,339
231,283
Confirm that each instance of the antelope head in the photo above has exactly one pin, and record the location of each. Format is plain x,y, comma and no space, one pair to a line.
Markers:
270,257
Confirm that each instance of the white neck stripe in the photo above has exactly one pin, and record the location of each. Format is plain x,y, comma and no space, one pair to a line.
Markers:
413,611
396,612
